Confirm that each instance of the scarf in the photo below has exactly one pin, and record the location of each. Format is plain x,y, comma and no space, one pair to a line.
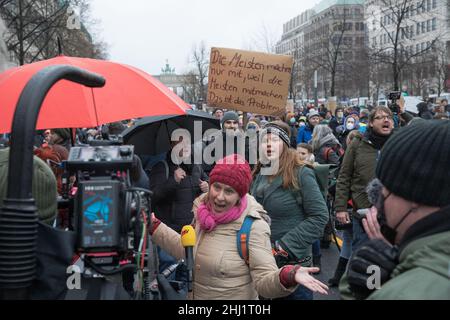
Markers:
209,220
376,139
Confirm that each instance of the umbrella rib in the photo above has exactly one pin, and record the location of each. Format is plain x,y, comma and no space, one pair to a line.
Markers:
95,106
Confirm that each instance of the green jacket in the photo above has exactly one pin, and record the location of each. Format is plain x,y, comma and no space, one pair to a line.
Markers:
423,271
357,170
43,186
298,217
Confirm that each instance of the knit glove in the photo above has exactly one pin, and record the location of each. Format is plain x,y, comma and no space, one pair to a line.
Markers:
373,253
287,275
155,224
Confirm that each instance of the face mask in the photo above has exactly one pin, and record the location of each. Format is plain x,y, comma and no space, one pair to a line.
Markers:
340,115
388,232
302,124
350,126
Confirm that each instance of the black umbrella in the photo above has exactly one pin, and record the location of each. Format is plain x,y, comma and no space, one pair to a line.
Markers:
152,135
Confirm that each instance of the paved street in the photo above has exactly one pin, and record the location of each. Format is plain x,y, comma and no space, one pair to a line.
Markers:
329,261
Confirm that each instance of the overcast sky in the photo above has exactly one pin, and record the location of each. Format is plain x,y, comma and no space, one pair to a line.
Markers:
144,33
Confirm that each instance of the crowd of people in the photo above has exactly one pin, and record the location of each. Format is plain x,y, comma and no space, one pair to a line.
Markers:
387,191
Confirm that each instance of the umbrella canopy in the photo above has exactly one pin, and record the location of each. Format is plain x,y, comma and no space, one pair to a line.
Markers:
128,93
152,135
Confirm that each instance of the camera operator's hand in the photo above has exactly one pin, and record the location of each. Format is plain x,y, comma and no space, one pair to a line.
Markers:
179,175
371,225
373,253
343,217
171,290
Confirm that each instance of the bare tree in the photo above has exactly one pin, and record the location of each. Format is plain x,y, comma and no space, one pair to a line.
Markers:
441,67
295,73
36,25
376,77
200,60
325,46
358,72
418,71
264,39
191,91
395,22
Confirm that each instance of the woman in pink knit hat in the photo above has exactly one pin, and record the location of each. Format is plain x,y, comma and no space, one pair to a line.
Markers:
219,270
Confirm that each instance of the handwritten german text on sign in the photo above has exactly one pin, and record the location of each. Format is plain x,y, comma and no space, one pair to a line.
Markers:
249,81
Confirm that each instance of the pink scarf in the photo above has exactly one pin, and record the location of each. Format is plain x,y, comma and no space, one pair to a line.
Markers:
209,220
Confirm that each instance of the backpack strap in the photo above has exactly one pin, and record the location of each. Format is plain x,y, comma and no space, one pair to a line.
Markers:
243,237
326,153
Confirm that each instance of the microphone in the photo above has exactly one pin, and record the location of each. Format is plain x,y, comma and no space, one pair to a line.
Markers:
188,239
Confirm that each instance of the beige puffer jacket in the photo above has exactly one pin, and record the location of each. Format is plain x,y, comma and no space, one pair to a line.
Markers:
220,273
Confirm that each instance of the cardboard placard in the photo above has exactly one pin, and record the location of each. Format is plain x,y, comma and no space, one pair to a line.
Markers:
332,104
249,81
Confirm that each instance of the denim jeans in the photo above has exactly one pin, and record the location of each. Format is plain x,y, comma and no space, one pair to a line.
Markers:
347,238
359,235
316,248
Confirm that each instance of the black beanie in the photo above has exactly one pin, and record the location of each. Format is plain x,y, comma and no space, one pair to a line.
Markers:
415,163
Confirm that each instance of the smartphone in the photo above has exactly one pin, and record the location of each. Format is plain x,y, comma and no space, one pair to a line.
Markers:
362,213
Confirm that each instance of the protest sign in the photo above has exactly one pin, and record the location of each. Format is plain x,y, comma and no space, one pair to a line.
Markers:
249,81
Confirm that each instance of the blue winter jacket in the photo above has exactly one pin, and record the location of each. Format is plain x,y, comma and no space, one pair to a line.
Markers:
304,134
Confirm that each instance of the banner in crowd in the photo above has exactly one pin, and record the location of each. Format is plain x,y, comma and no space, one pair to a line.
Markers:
249,81
332,104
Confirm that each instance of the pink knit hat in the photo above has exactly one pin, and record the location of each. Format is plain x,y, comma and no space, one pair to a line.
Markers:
233,171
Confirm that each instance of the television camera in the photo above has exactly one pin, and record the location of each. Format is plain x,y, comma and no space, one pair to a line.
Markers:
111,219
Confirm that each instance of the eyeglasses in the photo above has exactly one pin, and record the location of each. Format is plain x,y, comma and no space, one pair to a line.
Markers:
383,118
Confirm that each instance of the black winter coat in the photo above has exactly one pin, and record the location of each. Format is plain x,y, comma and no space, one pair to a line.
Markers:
172,202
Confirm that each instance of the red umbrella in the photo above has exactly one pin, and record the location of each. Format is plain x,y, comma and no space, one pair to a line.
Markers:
128,93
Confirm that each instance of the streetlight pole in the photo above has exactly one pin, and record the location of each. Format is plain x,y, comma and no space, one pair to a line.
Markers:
316,98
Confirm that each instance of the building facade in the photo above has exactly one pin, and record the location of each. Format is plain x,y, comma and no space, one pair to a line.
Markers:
330,39
418,30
